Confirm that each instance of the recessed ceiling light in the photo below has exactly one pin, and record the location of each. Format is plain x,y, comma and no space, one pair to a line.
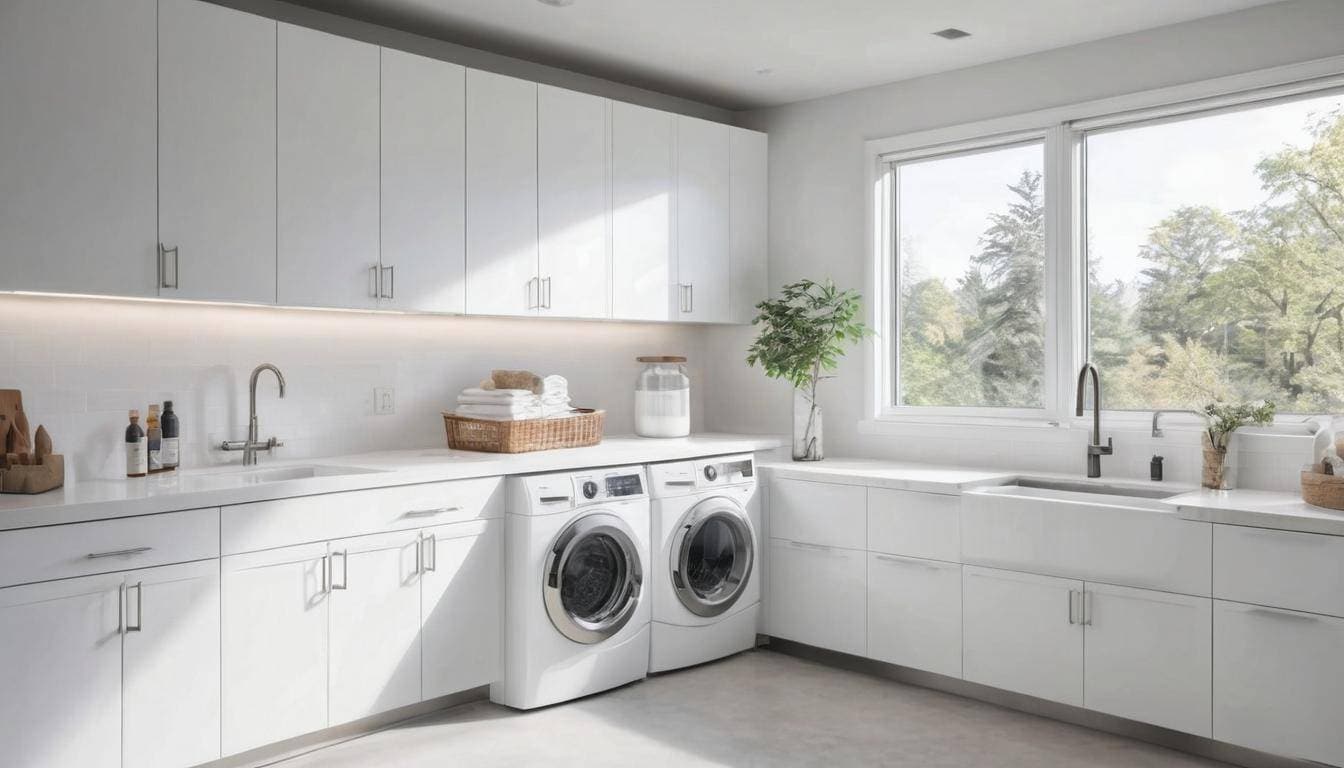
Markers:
556,3
951,33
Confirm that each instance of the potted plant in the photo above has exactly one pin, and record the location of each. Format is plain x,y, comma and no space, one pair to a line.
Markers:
803,335
1221,421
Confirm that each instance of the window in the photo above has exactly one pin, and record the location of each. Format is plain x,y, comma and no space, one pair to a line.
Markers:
970,235
1215,257
1189,242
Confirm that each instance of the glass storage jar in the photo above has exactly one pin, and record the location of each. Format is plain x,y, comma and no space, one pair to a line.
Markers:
663,398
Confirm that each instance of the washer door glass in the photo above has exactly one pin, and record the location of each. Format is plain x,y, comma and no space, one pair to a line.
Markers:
593,577
715,547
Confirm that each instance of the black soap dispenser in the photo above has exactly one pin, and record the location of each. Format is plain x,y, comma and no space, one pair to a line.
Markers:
1155,468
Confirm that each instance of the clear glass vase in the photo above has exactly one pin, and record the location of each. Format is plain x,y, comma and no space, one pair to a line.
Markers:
807,444
1220,464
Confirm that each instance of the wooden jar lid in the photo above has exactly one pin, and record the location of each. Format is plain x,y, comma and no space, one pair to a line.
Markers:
661,359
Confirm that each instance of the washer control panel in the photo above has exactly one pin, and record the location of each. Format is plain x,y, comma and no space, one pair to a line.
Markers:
682,477
556,492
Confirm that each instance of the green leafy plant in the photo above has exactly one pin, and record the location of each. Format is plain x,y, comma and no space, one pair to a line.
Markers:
1222,419
803,335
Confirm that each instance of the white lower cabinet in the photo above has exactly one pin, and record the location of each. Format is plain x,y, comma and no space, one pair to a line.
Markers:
274,679
817,595
462,595
375,625
1277,677
60,673
914,613
1023,633
171,694
1148,657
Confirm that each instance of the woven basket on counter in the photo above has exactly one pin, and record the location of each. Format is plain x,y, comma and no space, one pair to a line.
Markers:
468,434
1323,490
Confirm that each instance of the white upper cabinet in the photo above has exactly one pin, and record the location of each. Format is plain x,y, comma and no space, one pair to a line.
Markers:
642,213
573,153
77,146
501,195
748,215
423,184
216,153
328,169
703,238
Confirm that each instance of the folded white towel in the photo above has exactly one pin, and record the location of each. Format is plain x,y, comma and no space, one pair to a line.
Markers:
554,383
556,409
513,402
497,395
532,411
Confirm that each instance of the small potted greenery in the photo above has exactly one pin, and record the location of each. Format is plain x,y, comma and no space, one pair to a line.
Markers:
1222,420
803,336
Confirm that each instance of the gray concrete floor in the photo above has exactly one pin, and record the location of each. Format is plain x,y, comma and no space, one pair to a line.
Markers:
756,709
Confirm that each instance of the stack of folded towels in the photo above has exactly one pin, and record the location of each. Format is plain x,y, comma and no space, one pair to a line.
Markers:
514,395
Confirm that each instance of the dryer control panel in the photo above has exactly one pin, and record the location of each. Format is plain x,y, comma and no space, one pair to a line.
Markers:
682,477
557,492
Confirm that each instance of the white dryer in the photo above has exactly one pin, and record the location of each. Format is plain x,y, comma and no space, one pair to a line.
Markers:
576,608
706,581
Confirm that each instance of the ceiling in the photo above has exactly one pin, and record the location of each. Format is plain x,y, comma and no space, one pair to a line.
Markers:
743,54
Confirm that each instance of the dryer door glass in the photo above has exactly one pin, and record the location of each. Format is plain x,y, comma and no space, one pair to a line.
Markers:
715,561
593,578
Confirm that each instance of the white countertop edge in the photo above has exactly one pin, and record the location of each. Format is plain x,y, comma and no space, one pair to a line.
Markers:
105,499
1279,510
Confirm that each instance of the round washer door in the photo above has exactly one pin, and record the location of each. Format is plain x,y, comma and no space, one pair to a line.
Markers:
592,579
713,550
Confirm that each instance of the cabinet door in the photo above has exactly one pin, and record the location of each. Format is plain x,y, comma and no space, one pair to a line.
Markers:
703,200
1023,633
462,591
216,152
573,197
375,625
274,649
914,613
641,213
819,513
817,595
748,221
171,695
60,670
328,169
423,183
77,146
1148,656
1277,675
501,195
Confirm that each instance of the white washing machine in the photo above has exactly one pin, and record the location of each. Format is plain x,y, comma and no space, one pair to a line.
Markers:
576,606
706,581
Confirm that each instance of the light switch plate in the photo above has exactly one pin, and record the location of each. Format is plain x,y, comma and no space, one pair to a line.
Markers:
384,401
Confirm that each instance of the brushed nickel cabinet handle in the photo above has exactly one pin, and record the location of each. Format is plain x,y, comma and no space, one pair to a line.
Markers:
1071,621
118,553
375,281
163,267
431,512
345,570
139,607
388,289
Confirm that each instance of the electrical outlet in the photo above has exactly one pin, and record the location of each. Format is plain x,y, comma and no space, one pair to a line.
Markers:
384,401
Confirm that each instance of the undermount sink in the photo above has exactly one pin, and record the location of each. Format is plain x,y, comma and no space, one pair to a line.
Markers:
235,478
1076,486
1096,494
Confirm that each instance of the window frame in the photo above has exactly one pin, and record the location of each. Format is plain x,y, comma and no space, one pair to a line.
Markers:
1062,130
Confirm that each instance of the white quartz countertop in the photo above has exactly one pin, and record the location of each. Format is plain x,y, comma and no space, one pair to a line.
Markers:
194,489
1259,509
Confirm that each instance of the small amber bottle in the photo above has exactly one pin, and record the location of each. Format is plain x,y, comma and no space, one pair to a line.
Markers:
136,455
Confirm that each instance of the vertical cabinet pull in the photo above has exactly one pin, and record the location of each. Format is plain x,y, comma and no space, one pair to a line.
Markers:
533,292
430,556
1087,608
139,624
388,282
1071,619
324,569
545,293
163,267
345,569
375,281
687,296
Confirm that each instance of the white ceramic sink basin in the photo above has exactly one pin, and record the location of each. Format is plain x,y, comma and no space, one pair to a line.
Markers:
237,478
1103,489
1083,493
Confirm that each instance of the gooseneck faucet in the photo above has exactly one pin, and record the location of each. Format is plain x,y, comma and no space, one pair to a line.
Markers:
253,443
1095,450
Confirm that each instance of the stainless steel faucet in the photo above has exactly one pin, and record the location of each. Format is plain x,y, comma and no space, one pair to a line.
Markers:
252,444
1095,450
1157,431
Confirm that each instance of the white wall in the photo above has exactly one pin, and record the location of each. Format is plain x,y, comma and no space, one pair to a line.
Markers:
817,204
82,363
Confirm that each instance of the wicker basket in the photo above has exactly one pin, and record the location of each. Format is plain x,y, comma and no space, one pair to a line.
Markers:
468,434
1323,490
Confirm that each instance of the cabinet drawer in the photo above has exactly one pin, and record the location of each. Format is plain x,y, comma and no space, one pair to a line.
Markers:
817,595
923,525
1302,571
914,613
270,524
80,549
1276,681
819,513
